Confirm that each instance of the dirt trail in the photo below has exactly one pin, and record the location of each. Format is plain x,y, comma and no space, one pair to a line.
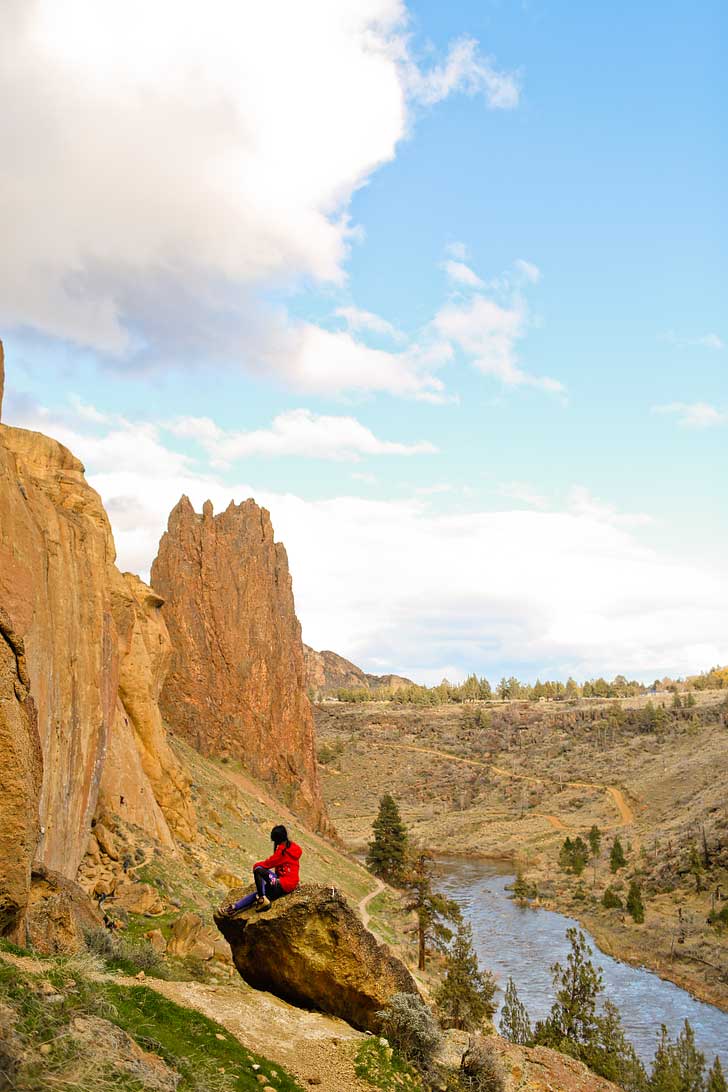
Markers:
616,796
364,903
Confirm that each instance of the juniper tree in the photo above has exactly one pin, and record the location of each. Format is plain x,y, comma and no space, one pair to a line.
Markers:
515,1024
716,1080
635,906
678,1066
465,997
611,1054
617,858
432,909
572,1021
595,840
387,853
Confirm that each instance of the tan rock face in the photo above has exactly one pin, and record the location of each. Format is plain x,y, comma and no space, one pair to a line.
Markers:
327,672
20,780
236,685
59,912
311,949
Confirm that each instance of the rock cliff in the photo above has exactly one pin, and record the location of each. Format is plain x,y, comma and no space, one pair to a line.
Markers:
236,684
311,949
20,780
93,656
327,672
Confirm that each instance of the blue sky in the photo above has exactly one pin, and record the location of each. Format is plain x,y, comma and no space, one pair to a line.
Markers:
472,259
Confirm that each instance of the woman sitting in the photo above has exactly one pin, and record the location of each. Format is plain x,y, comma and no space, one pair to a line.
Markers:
274,877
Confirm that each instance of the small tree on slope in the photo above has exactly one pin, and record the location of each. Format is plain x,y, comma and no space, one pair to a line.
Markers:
515,1024
465,997
431,908
617,858
716,1078
386,856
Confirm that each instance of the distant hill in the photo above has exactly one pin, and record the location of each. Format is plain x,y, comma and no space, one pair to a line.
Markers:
327,672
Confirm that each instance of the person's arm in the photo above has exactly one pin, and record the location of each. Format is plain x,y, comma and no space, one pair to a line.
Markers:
270,862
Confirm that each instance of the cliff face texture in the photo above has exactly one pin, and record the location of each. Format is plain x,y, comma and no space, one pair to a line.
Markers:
236,684
90,648
20,779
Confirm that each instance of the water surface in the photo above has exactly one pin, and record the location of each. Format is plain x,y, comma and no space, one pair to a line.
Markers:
523,943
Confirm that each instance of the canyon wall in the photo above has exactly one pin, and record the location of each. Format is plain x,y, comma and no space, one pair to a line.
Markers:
94,651
236,685
327,672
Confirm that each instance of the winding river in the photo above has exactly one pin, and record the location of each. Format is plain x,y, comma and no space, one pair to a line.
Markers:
523,943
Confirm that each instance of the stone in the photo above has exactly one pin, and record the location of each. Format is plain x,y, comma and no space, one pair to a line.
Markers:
185,934
327,672
2,378
59,913
137,898
22,773
157,940
106,841
227,879
311,949
236,684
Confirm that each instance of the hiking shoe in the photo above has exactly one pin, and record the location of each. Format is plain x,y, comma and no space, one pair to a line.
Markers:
263,904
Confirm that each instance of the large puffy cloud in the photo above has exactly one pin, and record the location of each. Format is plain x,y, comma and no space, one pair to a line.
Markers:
164,164
400,586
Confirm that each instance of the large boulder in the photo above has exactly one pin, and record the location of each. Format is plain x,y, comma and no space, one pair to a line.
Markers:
311,949
59,914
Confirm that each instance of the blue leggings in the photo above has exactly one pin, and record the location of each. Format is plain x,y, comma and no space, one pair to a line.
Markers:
266,884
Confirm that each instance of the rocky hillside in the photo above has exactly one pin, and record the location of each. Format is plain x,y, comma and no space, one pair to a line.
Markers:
236,683
327,672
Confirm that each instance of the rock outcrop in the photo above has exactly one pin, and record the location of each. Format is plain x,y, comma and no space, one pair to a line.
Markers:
236,685
311,949
95,650
327,672
20,780
59,914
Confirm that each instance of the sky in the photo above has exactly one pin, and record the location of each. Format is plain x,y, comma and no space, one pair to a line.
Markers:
440,285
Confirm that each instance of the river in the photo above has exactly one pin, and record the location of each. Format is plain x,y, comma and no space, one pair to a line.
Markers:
523,943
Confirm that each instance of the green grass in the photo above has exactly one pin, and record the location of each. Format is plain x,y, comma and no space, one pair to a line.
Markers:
381,1067
40,1008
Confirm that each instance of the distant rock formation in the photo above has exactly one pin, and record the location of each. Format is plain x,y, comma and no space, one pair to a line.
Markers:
94,655
236,685
327,672
311,949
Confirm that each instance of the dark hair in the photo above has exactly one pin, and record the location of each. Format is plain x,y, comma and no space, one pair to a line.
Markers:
279,835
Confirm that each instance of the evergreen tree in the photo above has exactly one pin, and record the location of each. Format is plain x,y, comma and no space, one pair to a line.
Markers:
617,858
612,1055
515,1024
716,1080
465,997
664,1076
611,900
432,909
690,1061
595,840
572,1022
634,903
386,856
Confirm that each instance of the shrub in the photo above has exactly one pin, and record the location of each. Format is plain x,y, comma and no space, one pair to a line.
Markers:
481,1069
611,899
411,1028
128,955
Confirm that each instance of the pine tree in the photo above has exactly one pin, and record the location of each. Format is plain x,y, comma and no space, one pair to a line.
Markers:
386,856
716,1080
432,909
572,1022
595,840
617,858
611,900
465,997
612,1055
634,903
664,1076
690,1061
515,1024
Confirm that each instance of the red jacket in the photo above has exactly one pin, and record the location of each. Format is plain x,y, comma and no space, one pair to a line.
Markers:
284,862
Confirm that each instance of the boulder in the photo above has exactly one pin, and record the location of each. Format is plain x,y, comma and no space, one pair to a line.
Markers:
311,949
236,685
157,940
189,937
137,898
59,913
145,1069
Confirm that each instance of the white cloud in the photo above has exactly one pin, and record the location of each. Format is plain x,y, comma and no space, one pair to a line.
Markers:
357,319
703,341
528,271
462,274
488,333
295,432
426,593
467,71
523,492
166,166
456,250
693,414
